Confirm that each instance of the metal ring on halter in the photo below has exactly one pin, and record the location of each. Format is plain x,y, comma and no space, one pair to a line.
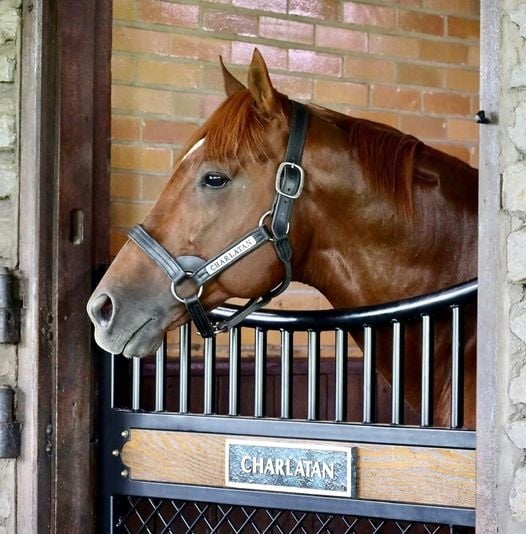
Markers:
181,299
269,213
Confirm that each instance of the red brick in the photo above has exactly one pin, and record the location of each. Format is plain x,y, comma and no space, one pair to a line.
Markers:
276,6
460,152
208,104
423,127
462,7
441,52
140,158
368,68
186,105
296,87
141,99
174,14
319,9
125,128
446,103
342,38
412,21
201,48
315,62
226,22
463,130
275,58
286,30
369,15
412,74
384,96
124,10
474,56
463,80
331,92
122,68
394,46
126,185
463,28
126,214
163,131
146,41
167,73
383,117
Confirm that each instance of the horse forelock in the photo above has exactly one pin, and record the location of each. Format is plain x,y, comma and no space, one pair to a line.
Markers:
387,159
235,131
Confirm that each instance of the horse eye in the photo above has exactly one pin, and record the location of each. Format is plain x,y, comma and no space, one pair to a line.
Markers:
215,180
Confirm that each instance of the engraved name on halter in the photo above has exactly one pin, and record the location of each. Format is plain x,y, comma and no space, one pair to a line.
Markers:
231,254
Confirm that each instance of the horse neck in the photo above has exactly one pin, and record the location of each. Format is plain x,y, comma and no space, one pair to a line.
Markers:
357,248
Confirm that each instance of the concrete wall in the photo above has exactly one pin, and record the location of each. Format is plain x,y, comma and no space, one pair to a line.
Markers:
511,400
10,30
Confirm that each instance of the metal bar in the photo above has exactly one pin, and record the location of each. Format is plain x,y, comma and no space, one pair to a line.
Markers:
426,411
286,374
260,372
160,377
340,408
369,381
397,393
283,428
313,387
209,375
457,381
234,371
136,383
184,367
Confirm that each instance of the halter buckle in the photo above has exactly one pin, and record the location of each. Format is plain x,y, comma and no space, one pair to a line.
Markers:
282,166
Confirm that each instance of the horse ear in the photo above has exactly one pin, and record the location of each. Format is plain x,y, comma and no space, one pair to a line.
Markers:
232,85
259,84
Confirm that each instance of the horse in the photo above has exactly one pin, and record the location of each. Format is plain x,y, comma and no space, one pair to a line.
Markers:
360,211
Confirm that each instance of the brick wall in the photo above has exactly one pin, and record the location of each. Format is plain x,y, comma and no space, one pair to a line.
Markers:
412,64
9,105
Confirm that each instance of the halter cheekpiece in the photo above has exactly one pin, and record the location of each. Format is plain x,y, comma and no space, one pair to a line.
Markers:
289,186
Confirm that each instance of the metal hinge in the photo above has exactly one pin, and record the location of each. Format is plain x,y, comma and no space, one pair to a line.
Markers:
9,308
9,428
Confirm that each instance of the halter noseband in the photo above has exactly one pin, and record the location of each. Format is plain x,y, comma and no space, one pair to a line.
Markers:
289,186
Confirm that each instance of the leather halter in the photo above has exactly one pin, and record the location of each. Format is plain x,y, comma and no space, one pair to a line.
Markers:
289,186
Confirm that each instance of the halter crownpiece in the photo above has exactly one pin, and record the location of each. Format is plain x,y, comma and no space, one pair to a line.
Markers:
290,178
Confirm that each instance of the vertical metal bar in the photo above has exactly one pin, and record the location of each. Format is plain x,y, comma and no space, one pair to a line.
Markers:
313,395
286,374
112,381
234,371
136,383
260,372
340,408
457,375
209,372
369,381
426,410
397,396
160,377
184,367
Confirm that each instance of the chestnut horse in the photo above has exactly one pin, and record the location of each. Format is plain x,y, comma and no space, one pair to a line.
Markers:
378,216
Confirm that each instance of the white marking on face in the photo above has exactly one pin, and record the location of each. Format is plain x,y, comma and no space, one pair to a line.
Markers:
194,148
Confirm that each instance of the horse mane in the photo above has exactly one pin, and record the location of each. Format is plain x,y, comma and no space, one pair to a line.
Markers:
387,158
386,155
235,129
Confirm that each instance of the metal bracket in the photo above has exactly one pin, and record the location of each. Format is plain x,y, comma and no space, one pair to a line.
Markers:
9,308
10,430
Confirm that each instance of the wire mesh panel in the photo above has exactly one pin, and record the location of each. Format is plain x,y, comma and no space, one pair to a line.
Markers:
136,514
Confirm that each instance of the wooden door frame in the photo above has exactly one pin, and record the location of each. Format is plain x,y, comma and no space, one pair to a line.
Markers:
64,214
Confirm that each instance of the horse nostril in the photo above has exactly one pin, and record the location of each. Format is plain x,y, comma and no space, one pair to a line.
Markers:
102,310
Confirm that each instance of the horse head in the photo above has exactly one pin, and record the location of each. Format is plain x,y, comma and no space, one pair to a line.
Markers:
212,234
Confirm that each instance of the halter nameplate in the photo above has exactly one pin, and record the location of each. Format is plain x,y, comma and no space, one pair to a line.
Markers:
231,255
289,186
